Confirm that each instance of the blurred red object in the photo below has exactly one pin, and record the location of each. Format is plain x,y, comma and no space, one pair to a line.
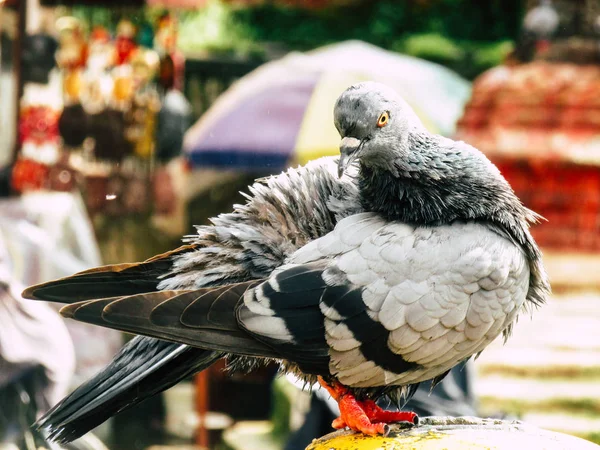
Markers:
29,175
540,124
38,124
125,44
100,34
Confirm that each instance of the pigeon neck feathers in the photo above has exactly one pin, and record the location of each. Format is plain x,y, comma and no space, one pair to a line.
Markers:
436,181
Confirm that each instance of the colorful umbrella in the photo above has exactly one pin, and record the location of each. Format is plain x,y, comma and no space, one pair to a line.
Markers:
282,113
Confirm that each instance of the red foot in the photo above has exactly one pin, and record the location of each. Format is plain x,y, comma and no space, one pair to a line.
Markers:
374,412
364,416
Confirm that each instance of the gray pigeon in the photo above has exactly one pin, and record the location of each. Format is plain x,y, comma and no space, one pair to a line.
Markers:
369,284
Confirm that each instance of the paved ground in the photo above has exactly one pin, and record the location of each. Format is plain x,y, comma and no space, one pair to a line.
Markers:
548,373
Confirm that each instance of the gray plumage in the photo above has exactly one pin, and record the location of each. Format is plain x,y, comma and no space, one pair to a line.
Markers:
413,262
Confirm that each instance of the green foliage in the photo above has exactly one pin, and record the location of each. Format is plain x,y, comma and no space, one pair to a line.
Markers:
468,36
488,55
383,22
106,17
282,395
431,46
593,437
469,58
214,29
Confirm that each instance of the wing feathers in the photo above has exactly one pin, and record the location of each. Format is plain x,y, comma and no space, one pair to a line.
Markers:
142,368
135,314
217,312
107,281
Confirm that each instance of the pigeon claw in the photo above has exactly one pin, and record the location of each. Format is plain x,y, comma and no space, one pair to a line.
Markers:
354,417
376,413
363,416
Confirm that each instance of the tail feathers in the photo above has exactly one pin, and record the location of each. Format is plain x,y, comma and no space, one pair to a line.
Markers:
107,281
144,367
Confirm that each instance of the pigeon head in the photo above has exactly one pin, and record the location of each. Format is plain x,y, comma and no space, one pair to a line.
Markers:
409,174
375,124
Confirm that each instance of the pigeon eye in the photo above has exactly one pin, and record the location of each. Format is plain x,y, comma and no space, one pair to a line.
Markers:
383,119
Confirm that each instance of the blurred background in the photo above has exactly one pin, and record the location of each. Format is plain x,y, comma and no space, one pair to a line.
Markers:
123,124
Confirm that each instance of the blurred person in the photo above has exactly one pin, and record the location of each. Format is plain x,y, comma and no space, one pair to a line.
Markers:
37,360
37,363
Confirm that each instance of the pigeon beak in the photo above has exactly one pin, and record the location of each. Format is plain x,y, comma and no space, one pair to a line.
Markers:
348,153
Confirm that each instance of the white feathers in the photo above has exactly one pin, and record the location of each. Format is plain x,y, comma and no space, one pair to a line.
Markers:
418,318
443,293
402,338
455,315
339,337
252,299
374,294
353,231
268,326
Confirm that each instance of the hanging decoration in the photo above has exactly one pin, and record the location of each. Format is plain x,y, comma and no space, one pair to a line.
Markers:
101,136
108,122
38,124
39,138
29,175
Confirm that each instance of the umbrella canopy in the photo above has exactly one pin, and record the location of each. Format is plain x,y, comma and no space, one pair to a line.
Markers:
282,113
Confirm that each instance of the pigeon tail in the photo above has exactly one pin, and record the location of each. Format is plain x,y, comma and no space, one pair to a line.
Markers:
143,367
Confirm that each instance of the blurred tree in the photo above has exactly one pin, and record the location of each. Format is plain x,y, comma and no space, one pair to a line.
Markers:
466,35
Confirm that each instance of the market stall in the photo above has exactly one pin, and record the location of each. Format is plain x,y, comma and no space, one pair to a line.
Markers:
102,112
97,121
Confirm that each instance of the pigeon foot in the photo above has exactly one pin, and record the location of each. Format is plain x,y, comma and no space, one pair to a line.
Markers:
364,416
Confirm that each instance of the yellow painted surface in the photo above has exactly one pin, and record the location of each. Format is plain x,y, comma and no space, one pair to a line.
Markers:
479,435
429,441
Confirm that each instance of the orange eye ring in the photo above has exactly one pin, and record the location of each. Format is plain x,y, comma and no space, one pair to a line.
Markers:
383,119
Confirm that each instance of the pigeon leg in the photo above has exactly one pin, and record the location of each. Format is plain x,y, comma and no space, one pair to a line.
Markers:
351,413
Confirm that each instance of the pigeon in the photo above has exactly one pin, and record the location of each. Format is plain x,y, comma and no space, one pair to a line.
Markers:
408,258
